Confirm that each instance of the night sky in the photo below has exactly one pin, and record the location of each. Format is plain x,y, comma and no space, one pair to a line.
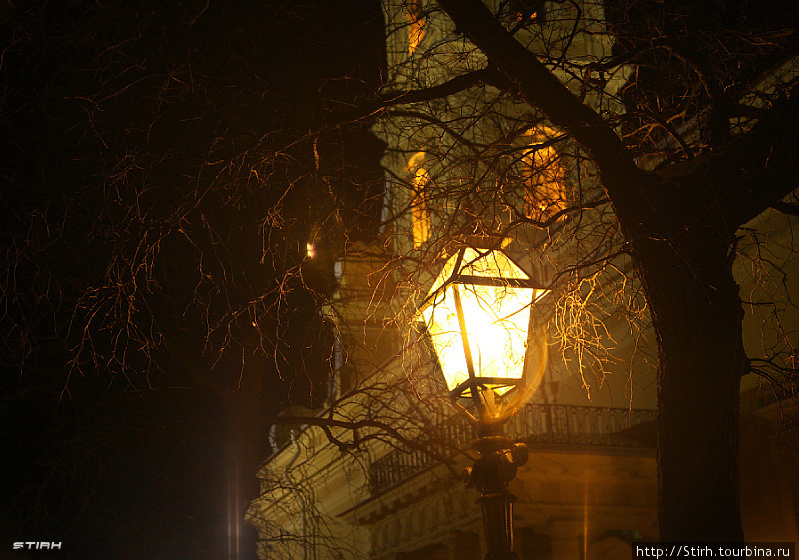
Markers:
159,176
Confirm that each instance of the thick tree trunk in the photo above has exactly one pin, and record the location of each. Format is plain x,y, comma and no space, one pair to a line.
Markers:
697,317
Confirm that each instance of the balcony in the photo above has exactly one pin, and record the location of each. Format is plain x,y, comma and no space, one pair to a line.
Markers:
570,428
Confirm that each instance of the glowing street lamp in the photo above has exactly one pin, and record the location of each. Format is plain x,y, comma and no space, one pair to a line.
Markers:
479,315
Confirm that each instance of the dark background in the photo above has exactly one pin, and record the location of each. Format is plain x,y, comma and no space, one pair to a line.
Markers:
130,427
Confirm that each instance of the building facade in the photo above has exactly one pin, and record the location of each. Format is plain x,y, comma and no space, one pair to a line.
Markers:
377,475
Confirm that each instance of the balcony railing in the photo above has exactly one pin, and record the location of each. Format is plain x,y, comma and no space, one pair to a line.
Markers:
535,424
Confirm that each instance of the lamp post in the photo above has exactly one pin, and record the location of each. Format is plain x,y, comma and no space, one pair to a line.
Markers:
479,314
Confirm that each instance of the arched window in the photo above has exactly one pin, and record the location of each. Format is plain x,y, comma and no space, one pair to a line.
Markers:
527,11
545,179
416,22
420,210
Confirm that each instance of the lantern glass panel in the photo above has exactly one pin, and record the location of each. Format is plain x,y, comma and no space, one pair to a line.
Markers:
497,318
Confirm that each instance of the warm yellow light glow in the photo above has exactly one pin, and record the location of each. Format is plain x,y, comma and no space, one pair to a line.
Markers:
416,21
419,208
546,178
310,250
497,319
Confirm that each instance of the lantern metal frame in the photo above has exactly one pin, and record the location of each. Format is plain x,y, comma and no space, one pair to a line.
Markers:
476,385
499,458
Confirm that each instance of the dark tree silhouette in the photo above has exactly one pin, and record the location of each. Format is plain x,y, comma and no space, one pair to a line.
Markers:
162,171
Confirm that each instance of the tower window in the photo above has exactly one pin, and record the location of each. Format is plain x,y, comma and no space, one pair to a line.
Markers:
416,23
420,209
545,179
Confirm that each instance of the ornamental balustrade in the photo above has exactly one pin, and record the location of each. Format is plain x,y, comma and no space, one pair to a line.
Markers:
580,428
